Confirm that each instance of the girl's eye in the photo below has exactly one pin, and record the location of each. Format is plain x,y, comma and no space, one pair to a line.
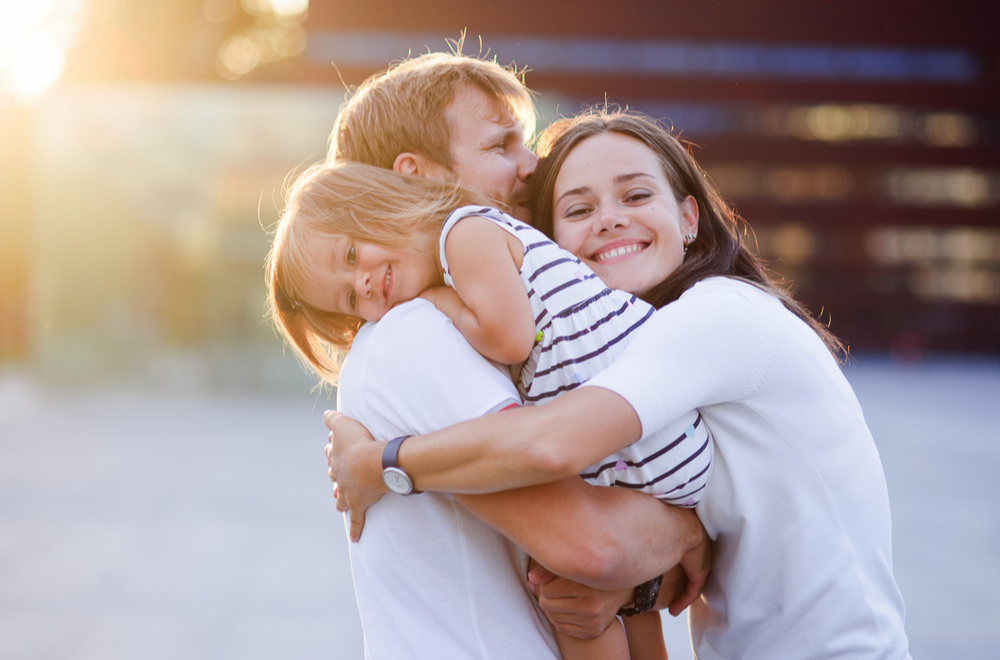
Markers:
352,256
352,299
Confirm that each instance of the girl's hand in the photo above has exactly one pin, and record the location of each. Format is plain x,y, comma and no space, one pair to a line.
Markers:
447,300
354,460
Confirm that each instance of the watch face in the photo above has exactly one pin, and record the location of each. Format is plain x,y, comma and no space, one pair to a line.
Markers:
397,481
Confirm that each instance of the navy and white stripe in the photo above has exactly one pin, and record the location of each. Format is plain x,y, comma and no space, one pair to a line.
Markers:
583,326
673,464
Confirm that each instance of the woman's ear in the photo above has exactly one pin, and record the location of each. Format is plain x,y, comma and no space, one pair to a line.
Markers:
688,208
411,163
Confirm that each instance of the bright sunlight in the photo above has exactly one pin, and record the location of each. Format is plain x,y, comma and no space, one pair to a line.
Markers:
34,36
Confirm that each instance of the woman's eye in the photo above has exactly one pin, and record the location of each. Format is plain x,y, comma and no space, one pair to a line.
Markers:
352,300
352,255
637,196
576,212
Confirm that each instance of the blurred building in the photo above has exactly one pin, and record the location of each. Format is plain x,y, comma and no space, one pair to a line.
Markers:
859,139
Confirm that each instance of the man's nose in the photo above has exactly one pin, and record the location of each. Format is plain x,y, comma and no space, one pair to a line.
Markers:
528,163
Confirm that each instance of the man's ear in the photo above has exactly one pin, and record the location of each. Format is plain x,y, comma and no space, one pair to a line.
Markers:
411,163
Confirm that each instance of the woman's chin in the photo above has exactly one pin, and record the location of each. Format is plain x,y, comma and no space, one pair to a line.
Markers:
624,278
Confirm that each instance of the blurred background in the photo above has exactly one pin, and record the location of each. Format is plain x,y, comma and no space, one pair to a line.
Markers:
143,150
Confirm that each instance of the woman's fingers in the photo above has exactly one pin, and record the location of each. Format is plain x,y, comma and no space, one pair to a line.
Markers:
357,524
345,441
342,505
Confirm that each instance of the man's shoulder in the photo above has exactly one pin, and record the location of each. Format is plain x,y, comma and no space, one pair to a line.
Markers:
414,364
412,331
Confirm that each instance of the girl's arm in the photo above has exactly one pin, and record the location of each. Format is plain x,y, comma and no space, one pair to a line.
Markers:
491,308
612,644
645,636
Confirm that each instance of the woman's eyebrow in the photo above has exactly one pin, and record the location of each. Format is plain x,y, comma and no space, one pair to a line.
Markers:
618,180
625,178
574,191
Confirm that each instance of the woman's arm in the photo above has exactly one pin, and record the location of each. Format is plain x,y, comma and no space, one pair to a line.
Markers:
512,449
620,538
695,337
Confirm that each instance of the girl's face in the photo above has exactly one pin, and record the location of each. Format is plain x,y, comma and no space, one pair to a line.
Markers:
614,208
364,279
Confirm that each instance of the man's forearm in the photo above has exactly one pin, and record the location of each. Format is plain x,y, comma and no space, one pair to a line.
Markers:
606,538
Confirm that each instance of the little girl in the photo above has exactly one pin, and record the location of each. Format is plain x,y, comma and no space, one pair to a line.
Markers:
355,240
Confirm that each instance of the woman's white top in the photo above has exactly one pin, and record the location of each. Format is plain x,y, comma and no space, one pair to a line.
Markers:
797,504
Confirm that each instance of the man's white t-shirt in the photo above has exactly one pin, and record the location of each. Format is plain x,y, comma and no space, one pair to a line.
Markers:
432,580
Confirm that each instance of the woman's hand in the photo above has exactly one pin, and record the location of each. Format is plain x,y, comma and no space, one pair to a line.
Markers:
573,608
355,468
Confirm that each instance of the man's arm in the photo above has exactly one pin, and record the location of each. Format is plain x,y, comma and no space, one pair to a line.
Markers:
607,538
619,538
601,542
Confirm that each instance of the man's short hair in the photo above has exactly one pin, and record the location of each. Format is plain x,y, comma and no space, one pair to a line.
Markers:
402,109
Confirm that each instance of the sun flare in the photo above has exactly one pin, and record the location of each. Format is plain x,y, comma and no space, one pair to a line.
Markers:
34,36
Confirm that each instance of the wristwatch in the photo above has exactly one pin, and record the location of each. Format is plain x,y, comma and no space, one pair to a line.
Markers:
645,597
395,477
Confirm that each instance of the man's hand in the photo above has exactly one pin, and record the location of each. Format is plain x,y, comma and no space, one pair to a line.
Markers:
575,609
349,457
696,565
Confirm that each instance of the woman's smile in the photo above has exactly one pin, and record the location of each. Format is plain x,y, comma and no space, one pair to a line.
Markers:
611,253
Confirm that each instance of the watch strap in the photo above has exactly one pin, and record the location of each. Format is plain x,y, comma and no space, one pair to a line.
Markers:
644,599
390,454
390,458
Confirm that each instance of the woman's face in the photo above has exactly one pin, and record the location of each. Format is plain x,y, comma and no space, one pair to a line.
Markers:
614,208
363,279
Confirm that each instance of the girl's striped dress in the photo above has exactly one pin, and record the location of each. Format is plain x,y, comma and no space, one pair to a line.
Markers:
581,326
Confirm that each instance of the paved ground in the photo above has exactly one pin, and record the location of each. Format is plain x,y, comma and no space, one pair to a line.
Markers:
141,525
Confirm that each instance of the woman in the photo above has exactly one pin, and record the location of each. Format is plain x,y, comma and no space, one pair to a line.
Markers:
797,504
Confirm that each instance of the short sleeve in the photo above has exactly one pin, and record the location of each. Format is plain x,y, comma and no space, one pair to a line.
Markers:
707,347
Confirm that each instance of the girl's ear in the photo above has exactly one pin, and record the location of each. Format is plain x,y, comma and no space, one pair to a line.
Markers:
411,163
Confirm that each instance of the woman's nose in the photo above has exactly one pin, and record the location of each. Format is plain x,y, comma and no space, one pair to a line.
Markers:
609,218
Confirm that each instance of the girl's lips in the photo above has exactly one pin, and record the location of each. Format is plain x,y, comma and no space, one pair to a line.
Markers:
387,284
618,250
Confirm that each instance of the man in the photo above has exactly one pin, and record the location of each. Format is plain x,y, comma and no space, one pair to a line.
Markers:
432,579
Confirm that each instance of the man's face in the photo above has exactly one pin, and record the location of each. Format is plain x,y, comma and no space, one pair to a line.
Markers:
488,150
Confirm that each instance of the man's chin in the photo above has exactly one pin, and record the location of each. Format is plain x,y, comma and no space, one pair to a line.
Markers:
522,213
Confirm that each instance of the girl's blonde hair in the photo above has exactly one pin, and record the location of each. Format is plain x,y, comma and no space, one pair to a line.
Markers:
366,203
